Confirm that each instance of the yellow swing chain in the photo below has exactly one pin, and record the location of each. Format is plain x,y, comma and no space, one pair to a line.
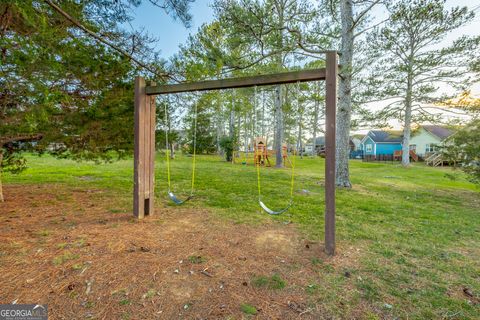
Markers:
292,183
255,160
194,148
292,180
167,149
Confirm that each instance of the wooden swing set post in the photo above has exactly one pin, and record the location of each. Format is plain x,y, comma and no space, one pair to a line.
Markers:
144,151
330,127
145,131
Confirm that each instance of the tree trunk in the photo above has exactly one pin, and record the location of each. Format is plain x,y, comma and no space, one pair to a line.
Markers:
245,134
1,187
278,127
344,113
407,123
172,151
220,123
231,123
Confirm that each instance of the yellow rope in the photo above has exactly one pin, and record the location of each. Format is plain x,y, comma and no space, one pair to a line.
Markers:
293,176
194,148
258,179
167,148
292,180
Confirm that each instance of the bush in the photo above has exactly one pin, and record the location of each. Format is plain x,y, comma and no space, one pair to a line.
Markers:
227,144
464,147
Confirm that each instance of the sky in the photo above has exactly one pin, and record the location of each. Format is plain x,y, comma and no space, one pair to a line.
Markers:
171,34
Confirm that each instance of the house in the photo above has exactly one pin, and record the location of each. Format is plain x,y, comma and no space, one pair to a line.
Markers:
309,148
356,140
319,147
379,142
426,138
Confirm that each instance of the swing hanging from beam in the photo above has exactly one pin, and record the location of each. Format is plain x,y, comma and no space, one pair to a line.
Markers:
144,146
292,180
170,193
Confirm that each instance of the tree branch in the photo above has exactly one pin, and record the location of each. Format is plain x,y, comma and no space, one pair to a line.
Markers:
104,41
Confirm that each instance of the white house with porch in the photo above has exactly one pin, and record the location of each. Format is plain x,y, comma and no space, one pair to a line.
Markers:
427,138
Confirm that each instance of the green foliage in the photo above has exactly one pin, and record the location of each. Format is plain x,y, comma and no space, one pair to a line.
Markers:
72,90
11,161
248,309
228,145
411,59
199,128
464,148
124,302
75,93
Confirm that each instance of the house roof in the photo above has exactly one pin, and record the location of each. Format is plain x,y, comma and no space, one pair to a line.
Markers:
439,131
358,136
385,136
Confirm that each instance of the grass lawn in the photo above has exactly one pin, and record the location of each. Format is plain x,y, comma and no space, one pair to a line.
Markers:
413,234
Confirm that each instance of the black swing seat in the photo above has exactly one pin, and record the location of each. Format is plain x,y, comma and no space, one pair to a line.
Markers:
177,201
270,211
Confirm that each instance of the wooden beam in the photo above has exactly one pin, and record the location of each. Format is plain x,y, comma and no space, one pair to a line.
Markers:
144,156
330,122
139,149
251,81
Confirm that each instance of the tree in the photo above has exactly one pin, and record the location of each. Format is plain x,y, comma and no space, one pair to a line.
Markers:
339,24
464,148
74,91
262,27
412,67
228,145
354,18
198,126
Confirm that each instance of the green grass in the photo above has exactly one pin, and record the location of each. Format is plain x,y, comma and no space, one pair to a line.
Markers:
248,309
415,232
196,259
274,282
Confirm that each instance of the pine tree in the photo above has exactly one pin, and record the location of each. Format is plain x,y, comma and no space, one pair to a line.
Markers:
411,64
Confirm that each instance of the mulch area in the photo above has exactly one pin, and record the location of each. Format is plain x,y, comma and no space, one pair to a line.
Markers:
68,248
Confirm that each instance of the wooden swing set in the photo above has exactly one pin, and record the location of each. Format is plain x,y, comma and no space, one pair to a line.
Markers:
145,124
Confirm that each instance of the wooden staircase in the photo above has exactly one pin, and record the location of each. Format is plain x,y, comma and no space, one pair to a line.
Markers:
435,159
413,155
397,155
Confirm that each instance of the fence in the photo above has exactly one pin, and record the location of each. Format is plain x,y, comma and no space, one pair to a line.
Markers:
379,158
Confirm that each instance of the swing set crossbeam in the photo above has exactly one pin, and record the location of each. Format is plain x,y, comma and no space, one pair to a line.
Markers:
243,82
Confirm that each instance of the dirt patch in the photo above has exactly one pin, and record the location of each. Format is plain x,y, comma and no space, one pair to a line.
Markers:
71,248
277,240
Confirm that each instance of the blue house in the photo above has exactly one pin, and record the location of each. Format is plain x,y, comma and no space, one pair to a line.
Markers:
379,142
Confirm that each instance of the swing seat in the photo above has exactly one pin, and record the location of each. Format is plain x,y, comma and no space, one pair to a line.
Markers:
270,211
177,201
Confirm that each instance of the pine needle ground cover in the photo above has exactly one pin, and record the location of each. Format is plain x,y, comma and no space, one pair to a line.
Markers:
407,243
